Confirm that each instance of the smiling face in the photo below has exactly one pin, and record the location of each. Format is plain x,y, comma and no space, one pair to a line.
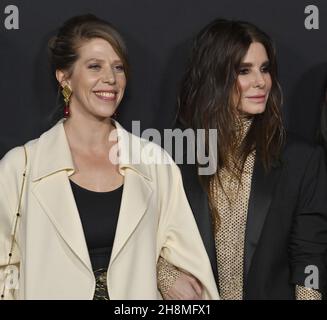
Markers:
97,79
254,81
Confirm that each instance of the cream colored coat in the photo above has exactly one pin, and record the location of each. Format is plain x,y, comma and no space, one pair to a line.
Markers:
154,219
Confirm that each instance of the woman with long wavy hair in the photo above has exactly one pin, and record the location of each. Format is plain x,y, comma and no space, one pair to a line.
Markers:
263,213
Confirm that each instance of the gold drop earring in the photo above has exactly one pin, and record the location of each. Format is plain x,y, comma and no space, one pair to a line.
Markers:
66,92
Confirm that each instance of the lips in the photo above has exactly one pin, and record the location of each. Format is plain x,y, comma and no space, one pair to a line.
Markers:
257,98
110,95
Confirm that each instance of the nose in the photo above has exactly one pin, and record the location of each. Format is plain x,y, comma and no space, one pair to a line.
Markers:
109,76
259,80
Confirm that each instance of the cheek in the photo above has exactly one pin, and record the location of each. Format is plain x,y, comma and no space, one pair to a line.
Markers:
79,82
122,83
268,82
243,85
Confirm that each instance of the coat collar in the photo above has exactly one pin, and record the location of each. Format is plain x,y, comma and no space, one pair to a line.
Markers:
53,153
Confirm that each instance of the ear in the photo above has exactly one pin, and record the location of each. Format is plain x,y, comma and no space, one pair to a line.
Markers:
62,78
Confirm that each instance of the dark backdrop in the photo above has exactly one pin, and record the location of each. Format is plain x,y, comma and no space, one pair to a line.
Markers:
158,34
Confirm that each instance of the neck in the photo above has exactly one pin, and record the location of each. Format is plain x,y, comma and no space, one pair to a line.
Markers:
88,134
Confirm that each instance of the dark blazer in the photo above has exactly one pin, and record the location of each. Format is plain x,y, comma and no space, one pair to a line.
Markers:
286,221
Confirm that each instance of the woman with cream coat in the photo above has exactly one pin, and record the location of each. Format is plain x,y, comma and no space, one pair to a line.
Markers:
44,252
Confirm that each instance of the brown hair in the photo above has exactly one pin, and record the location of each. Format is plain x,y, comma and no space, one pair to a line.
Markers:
207,96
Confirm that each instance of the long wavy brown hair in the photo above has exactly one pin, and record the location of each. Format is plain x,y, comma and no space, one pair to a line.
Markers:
207,98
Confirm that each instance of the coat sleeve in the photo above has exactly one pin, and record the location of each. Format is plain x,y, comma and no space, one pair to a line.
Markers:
308,243
182,244
11,163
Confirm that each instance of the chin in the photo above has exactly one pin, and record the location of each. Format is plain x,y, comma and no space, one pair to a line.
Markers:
104,112
259,111
252,110
102,115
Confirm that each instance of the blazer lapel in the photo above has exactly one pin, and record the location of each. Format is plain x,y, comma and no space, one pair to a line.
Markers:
198,201
52,166
137,187
56,198
262,188
136,195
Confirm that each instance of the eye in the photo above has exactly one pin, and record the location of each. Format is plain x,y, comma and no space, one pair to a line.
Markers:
119,68
265,69
94,66
243,71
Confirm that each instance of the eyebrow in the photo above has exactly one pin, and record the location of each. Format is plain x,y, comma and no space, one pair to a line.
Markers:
101,61
249,64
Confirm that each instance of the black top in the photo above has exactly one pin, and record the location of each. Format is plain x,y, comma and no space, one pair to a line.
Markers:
99,215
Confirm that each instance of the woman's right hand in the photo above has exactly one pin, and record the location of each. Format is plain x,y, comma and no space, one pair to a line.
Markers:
186,287
174,284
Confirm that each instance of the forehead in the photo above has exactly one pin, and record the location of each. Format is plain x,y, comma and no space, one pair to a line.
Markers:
97,48
256,53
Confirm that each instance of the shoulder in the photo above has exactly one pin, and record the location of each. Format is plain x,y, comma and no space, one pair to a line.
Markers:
149,159
297,146
13,162
299,152
13,157
143,144
140,150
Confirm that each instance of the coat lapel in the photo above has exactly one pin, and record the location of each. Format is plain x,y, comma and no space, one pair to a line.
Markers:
262,189
198,201
50,173
137,188
56,198
136,195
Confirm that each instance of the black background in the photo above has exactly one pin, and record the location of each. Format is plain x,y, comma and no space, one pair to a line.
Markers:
158,35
